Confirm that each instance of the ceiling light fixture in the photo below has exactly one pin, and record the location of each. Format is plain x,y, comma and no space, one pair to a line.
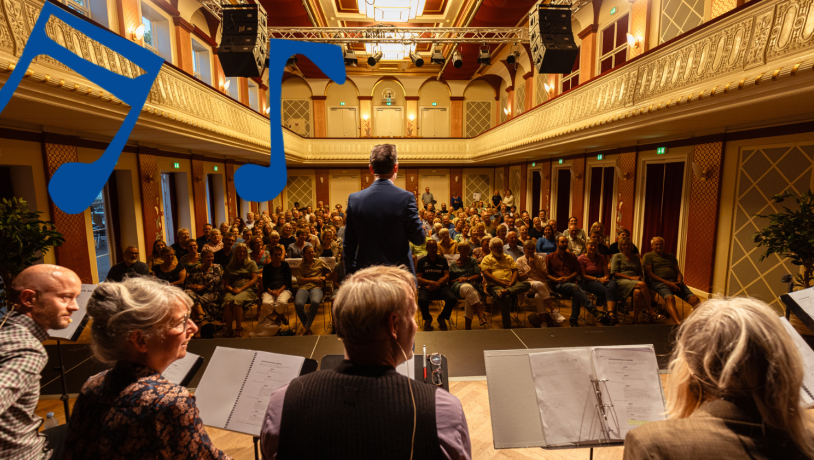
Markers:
457,59
391,10
375,58
485,56
437,56
350,58
513,55
417,59
390,51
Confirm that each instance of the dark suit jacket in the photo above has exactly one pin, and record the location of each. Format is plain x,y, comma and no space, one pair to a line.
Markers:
718,430
380,221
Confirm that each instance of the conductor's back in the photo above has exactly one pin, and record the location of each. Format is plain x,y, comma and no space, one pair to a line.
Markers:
381,219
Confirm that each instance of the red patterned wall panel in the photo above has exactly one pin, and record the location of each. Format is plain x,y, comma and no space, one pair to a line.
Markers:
703,217
545,186
199,195
231,193
523,186
626,191
639,26
578,189
323,185
456,188
73,253
152,212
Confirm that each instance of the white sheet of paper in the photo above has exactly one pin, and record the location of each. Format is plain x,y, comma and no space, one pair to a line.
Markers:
82,301
178,370
407,368
633,387
805,299
807,353
565,396
220,384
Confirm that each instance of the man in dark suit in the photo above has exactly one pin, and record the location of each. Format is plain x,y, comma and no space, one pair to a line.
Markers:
381,219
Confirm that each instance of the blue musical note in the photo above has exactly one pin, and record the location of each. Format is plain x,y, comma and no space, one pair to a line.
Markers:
74,186
264,183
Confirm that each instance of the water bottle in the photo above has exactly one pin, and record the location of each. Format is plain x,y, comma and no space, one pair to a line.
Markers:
50,421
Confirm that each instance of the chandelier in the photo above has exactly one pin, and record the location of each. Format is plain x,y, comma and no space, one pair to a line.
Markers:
390,51
391,10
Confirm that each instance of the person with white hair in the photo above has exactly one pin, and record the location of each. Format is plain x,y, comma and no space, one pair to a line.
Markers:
666,278
467,284
446,246
734,390
140,326
363,408
531,268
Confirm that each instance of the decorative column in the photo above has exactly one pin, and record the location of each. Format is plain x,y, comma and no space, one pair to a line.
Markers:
183,44
320,116
587,53
640,26
523,185
231,193
243,92
498,111
626,191
545,187
323,185
199,195
263,94
578,189
151,207
510,103
74,252
703,216
530,90
366,116
411,126
457,116
456,183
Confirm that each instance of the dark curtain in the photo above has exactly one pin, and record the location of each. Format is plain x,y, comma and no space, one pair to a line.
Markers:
5,183
211,189
113,220
563,198
536,182
595,198
671,205
609,175
654,185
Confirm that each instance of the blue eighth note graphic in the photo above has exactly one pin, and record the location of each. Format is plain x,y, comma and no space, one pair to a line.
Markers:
74,186
259,183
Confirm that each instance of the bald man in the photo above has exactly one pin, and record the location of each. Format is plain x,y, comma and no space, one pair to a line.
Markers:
43,297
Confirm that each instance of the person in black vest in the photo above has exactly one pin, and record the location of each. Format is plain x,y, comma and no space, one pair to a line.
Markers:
130,266
364,409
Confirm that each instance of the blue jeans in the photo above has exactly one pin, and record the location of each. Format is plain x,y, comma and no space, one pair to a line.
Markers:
577,296
603,292
303,296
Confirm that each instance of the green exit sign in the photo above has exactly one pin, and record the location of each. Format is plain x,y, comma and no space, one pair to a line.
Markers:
434,103
613,11
341,103
533,165
176,165
560,161
216,168
600,156
661,150
389,103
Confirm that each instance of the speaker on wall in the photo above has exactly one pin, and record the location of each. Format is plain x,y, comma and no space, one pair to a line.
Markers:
244,43
552,41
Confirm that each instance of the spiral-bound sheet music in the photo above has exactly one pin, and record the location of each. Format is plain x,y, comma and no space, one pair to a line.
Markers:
807,354
235,389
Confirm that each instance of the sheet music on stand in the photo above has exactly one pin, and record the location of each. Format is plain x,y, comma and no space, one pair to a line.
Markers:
807,391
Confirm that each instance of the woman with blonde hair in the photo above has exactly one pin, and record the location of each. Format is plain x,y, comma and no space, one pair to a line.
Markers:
735,384
155,257
239,280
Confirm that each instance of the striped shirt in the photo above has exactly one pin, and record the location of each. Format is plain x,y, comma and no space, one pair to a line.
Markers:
22,358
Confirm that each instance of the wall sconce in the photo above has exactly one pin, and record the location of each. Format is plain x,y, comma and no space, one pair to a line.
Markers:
153,178
632,41
198,179
267,111
321,180
227,85
138,34
547,87
412,179
410,125
699,172
456,179
230,179
366,123
367,179
575,174
620,174
506,111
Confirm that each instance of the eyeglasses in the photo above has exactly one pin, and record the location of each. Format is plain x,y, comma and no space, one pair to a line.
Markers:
181,326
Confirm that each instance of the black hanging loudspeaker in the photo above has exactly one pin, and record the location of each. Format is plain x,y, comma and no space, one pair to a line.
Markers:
244,43
552,41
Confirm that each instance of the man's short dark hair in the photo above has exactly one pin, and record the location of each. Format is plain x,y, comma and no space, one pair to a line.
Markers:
383,158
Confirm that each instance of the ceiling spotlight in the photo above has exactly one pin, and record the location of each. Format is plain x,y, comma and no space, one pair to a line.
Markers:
437,56
417,59
291,61
513,55
350,58
457,60
484,56
373,60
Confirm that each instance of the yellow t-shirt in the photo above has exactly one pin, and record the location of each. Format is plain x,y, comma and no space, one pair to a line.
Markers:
499,268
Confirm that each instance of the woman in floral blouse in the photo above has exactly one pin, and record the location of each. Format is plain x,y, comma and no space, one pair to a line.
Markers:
204,285
140,326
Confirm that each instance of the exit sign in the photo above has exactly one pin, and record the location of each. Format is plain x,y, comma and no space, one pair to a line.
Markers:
600,156
216,168
560,161
613,11
341,103
389,103
661,150
434,103
533,165
176,165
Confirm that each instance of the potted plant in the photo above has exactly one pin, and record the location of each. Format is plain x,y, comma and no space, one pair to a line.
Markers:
790,234
24,239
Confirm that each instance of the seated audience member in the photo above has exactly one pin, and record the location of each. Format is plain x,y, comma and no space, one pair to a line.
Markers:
130,267
580,231
250,220
274,241
467,284
475,235
215,242
247,236
182,239
457,229
512,248
445,244
155,257
223,227
510,225
626,267
41,297
373,312
597,280
734,390
432,274
192,254
287,236
312,237
140,326
277,291
258,254
224,255
502,231
204,238
502,283
311,275
543,215
576,245
622,233
601,246
329,246
456,202
563,269
170,270
548,242
340,227
295,249
600,227
523,234
204,285
553,224
418,251
480,252
487,224
531,269
666,278
464,235
536,231
436,231
239,284
447,224
239,224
